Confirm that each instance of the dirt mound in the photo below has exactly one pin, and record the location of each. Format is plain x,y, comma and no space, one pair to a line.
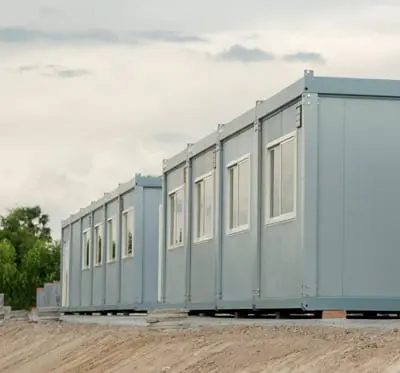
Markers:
62,348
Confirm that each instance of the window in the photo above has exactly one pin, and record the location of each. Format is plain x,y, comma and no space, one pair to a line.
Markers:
112,241
86,249
127,232
98,241
239,194
176,218
282,179
203,208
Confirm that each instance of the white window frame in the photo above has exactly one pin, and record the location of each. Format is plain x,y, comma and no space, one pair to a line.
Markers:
101,230
170,193
89,232
290,215
198,180
125,254
243,227
109,247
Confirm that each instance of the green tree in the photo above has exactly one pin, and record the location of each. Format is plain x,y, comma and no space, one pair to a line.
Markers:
29,256
39,265
22,227
8,269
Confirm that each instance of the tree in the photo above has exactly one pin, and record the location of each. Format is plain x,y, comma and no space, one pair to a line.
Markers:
22,227
8,268
39,265
29,256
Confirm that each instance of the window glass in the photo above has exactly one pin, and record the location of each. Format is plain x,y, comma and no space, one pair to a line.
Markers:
112,245
287,175
99,244
282,163
172,220
179,218
208,206
233,200
244,189
275,180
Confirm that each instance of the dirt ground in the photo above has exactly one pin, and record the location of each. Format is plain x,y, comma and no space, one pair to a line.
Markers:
55,347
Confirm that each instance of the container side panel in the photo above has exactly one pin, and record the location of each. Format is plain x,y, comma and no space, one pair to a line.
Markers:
370,253
86,279
152,200
176,266
129,264
202,272
86,287
76,265
98,270
98,280
112,209
127,200
280,241
65,265
112,284
203,252
85,222
238,250
175,258
128,281
98,216
331,196
112,280
175,178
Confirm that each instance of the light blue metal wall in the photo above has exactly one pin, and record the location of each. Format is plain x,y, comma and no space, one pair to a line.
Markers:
112,269
86,279
280,242
130,265
98,271
202,263
149,278
358,198
238,251
127,283
66,240
175,265
75,266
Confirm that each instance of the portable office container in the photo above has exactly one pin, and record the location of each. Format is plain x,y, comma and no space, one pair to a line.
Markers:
110,250
292,205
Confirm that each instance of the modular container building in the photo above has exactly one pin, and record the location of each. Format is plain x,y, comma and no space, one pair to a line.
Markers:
110,250
292,205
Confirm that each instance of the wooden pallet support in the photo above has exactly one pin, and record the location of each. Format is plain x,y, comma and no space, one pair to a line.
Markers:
334,314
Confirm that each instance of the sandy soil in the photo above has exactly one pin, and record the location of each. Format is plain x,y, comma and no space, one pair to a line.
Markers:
71,348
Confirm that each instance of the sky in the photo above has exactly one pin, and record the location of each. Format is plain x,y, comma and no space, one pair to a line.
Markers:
95,91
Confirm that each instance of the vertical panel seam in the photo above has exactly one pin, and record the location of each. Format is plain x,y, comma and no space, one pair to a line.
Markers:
344,198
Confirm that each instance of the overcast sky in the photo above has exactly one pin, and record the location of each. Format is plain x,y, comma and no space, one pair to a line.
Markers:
93,91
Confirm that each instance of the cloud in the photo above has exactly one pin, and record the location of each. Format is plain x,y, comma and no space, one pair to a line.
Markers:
15,35
19,35
146,102
54,71
170,137
167,36
49,11
240,53
304,57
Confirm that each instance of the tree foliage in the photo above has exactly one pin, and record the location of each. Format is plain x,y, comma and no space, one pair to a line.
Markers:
29,256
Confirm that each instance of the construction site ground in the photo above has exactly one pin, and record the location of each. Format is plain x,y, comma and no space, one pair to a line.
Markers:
126,344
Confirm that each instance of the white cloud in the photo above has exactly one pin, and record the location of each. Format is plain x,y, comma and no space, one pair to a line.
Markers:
64,142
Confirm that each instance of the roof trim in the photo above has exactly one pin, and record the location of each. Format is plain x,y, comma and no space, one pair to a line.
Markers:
139,180
309,83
